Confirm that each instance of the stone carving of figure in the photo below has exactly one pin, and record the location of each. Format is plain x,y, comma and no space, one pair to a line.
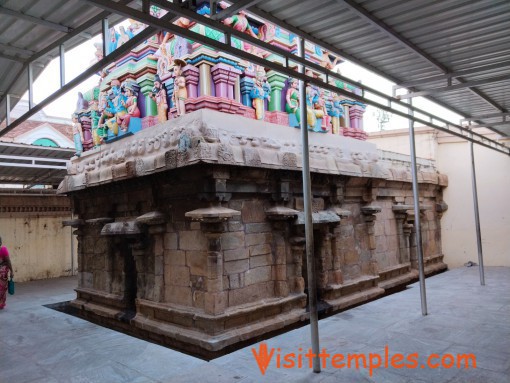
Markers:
180,93
158,94
292,98
240,23
131,105
259,94
77,135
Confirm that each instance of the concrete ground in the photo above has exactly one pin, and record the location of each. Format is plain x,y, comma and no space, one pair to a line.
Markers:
39,344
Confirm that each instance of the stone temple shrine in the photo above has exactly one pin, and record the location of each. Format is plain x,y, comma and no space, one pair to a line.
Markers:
189,216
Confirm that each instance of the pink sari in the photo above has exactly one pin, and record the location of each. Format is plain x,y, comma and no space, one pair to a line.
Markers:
4,272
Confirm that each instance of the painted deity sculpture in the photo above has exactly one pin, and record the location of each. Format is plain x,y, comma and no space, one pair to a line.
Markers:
158,94
326,60
258,94
77,135
180,92
131,105
335,111
311,113
240,23
292,105
114,111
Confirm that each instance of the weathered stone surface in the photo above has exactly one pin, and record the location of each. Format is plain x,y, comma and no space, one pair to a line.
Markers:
234,267
253,212
197,262
192,240
257,275
260,249
171,241
231,241
236,254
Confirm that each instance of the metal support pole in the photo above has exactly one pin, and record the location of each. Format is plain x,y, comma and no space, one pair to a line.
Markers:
307,197
62,65
72,247
30,87
8,112
106,37
477,217
416,198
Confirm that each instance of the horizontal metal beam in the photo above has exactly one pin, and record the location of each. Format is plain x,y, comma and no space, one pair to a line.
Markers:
451,88
449,127
426,80
13,58
483,116
19,51
395,36
234,8
488,125
44,52
120,51
35,20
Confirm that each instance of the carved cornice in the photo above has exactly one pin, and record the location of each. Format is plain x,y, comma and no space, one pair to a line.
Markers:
209,136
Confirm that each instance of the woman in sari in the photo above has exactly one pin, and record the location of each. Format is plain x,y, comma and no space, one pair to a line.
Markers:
5,267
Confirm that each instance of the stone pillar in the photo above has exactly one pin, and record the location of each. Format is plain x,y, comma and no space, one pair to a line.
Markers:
169,84
400,212
369,212
345,120
277,82
205,80
246,86
212,222
224,77
298,254
237,89
192,76
356,116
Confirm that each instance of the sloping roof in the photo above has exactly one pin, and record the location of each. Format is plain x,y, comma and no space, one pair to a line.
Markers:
410,40
32,31
32,165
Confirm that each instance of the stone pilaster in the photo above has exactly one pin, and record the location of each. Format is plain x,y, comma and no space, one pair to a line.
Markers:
369,212
277,82
246,85
192,76
224,77
205,80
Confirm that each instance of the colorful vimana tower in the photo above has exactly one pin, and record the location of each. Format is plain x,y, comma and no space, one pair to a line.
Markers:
167,76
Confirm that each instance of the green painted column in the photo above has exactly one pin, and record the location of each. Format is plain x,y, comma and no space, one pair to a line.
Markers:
146,85
277,82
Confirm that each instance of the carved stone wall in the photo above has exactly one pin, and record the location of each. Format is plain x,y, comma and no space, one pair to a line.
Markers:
195,234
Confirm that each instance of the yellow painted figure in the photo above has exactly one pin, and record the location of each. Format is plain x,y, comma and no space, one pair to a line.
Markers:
180,92
258,95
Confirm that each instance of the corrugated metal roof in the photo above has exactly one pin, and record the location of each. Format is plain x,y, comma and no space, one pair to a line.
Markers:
404,40
30,164
29,28
408,40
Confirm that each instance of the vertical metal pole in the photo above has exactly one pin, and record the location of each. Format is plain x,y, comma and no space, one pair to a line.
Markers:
477,217
62,65
72,247
146,6
416,198
307,197
8,112
30,87
106,37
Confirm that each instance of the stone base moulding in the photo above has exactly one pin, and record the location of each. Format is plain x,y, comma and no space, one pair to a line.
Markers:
191,234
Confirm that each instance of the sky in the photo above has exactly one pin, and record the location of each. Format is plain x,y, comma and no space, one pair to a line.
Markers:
80,58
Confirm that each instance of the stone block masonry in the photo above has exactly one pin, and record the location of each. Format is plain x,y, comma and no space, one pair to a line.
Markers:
205,247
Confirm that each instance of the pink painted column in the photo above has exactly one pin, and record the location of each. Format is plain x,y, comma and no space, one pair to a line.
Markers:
224,77
356,116
192,76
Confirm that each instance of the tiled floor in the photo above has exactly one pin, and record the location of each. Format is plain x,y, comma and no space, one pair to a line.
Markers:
42,345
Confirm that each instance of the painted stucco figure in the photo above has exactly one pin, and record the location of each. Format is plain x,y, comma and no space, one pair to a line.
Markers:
131,105
292,98
258,94
77,135
158,94
180,92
